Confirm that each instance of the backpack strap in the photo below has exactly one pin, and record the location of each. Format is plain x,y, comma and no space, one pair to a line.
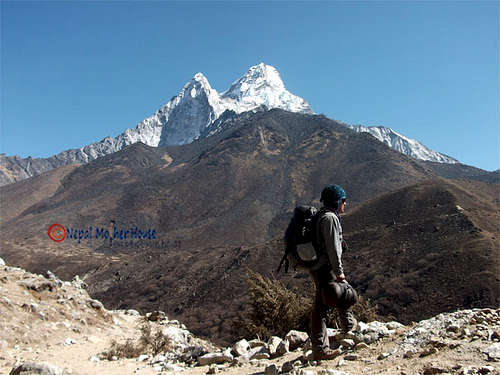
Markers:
317,232
286,261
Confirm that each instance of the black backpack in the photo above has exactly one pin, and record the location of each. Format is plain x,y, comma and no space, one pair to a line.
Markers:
301,230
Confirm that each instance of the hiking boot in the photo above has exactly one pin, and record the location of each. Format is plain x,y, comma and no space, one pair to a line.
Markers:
325,354
347,320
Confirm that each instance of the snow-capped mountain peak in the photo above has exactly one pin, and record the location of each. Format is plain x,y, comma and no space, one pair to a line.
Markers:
198,105
262,86
405,145
257,79
195,111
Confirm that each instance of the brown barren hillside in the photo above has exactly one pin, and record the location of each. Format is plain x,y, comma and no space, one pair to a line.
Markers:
221,204
415,252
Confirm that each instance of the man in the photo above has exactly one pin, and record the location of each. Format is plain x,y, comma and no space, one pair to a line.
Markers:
332,289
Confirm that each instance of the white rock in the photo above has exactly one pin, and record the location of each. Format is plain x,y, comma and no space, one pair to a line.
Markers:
94,359
142,358
241,347
132,312
493,352
212,358
296,338
394,325
283,347
330,371
37,368
159,358
273,344
172,367
177,335
362,327
69,341
2,262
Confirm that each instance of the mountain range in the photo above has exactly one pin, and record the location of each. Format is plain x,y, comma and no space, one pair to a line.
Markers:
220,204
199,111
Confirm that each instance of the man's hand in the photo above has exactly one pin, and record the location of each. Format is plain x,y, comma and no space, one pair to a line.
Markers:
340,277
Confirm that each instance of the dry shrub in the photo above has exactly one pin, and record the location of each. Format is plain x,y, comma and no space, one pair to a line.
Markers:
126,350
275,310
149,342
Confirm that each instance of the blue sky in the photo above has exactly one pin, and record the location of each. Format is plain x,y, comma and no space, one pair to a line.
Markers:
74,72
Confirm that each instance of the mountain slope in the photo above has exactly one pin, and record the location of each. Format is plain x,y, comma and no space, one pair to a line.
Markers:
219,203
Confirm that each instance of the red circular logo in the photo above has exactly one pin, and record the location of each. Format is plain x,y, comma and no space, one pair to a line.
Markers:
57,233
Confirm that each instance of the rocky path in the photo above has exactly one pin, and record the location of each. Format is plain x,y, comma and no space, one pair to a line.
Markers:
54,327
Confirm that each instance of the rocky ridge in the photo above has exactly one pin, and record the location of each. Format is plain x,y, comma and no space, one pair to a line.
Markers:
49,326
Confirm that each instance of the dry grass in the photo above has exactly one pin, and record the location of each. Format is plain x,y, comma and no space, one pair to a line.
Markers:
275,309
148,342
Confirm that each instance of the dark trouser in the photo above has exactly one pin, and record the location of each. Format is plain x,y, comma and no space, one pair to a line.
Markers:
328,292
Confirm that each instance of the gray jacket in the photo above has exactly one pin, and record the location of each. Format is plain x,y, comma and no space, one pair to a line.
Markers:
329,235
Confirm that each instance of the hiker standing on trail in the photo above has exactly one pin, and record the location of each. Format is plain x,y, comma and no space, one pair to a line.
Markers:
332,289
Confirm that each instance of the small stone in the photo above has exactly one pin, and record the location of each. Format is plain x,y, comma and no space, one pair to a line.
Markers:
241,347
466,332
486,369
132,312
352,357
347,343
453,328
287,367
330,371
394,325
271,370
213,369
215,358
96,304
2,262
429,351
361,345
409,353
283,348
296,338
383,356
272,344
431,370
143,357
156,316
69,341
493,352
306,372
94,359
261,355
